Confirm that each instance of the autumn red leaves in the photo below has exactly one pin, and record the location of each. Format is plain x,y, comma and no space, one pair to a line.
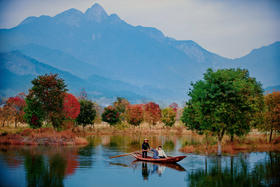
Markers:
48,103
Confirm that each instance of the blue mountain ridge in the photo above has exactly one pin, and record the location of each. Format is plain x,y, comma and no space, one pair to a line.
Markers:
101,48
17,71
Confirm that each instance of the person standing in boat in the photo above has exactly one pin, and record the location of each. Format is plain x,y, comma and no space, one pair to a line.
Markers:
145,148
161,152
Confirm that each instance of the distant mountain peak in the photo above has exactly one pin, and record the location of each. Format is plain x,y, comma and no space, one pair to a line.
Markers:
71,17
96,13
71,11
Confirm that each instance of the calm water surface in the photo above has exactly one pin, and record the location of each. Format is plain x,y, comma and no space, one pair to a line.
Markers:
91,166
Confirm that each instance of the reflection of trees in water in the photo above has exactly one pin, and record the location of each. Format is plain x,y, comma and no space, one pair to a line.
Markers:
133,143
169,145
41,173
44,166
237,173
10,157
86,156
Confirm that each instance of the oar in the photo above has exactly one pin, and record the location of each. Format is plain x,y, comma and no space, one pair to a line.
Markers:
123,155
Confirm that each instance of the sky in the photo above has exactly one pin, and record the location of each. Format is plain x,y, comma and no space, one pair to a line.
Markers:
230,28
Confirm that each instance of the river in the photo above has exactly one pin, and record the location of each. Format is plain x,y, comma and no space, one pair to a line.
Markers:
91,166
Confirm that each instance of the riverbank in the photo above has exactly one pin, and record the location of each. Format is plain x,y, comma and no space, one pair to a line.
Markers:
23,135
193,143
251,143
42,136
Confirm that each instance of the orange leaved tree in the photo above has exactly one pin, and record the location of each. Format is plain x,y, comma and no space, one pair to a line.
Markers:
135,114
152,113
272,112
16,107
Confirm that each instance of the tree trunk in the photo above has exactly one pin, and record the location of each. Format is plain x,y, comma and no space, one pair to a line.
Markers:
231,138
205,164
219,147
206,144
231,166
270,135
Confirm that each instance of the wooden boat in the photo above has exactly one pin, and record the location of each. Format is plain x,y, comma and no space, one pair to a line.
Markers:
169,165
169,159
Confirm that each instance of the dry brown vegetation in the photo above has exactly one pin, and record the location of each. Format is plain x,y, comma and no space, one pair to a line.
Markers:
42,136
194,143
250,143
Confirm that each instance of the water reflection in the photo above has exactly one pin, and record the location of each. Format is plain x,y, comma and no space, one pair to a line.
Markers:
150,168
84,166
237,171
40,172
43,166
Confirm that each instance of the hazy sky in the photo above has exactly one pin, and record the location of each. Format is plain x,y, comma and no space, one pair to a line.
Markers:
231,28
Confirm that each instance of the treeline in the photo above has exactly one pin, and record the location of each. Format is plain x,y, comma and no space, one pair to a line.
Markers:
225,102
48,103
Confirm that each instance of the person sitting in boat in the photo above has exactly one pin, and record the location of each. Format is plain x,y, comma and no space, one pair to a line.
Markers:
155,153
145,148
161,152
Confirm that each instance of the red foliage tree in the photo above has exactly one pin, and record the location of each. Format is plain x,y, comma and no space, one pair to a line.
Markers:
16,105
135,114
152,113
71,106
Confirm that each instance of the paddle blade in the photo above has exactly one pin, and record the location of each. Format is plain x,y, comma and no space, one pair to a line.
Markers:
120,155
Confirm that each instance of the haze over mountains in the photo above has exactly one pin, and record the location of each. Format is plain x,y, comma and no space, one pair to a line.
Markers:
109,58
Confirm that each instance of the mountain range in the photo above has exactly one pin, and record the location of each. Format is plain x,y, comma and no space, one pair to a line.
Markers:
109,58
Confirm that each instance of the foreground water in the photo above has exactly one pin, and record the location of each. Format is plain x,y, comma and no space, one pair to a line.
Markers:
91,166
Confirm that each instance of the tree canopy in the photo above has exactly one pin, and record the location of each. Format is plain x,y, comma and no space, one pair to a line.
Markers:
152,113
71,106
110,115
135,114
271,113
225,101
168,116
87,112
45,100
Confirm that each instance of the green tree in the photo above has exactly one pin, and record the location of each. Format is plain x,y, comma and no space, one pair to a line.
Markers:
168,116
87,112
45,100
225,101
110,115
121,105
34,114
